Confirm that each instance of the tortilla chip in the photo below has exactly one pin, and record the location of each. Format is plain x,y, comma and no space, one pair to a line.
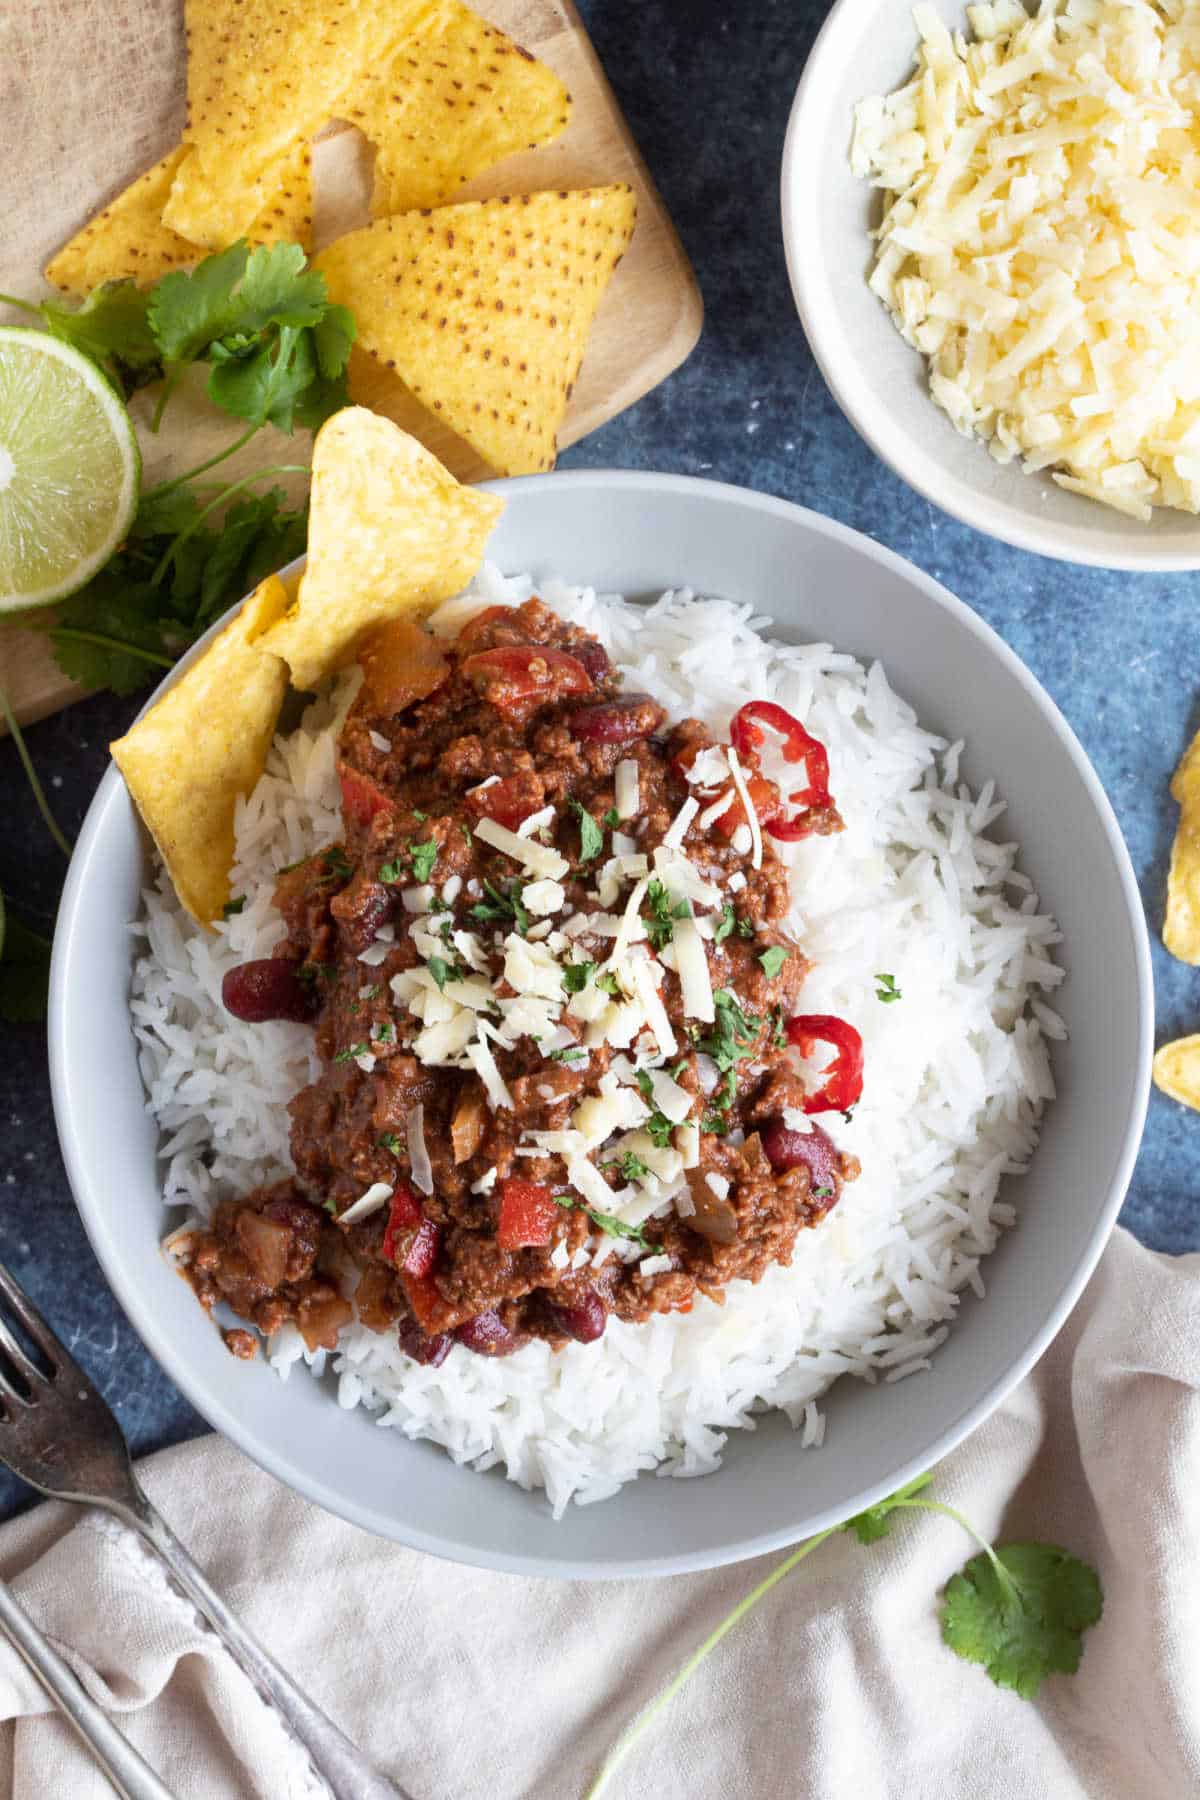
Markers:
1177,1071
204,743
454,98
390,531
129,238
483,309
1181,927
261,74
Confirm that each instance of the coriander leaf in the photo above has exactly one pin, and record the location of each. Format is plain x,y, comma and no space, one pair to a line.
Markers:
266,388
745,928
605,1222
112,633
392,872
502,906
385,1034
352,1051
874,1523
725,923
658,1127
632,1167
1027,1623
591,838
660,926
773,960
275,290
570,1053
887,989
112,328
423,858
609,984
336,863
443,971
164,513
575,976
611,819
24,971
187,311
389,1141
333,334
236,905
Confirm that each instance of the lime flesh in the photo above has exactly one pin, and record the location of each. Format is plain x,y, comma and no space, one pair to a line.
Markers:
69,469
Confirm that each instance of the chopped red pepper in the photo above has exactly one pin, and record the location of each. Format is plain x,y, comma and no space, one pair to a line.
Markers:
422,1250
508,800
428,1306
362,798
405,1214
477,627
799,746
527,1214
764,798
843,1081
518,678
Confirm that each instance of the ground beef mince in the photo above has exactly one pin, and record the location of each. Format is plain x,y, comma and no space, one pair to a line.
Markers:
550,983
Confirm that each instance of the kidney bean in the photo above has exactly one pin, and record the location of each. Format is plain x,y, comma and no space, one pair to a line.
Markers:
787,1149
619,721
584,1321
594,658
487,1335
430,1351
268,989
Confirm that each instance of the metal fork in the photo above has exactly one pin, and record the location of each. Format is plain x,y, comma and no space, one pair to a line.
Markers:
62,1439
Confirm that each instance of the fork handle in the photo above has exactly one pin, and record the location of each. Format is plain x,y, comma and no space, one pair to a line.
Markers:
131,1776
344,1769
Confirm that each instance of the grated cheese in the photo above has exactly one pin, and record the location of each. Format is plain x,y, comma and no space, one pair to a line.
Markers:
479,1055
377,1195
673,1101
418,1152
1040,244
627,789
695,981
677,830
539,859
656,1013
754,834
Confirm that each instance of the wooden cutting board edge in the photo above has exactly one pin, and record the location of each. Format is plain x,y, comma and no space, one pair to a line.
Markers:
31,677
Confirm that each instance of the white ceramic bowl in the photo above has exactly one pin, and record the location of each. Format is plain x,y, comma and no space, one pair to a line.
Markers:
639,533
878,381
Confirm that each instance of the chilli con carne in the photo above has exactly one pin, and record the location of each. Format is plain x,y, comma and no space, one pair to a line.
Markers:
553,999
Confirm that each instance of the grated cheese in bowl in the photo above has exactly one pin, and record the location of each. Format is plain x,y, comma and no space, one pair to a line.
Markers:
1041,237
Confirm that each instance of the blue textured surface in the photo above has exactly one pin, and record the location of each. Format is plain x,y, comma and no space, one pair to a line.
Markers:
706,88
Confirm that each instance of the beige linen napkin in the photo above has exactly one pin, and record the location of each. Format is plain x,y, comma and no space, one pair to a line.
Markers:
465,1684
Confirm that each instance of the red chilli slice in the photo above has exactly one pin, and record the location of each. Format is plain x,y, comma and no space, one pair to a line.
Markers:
799,746
843,1083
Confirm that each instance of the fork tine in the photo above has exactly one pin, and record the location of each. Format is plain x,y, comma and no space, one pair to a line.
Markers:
51,1346
22,1363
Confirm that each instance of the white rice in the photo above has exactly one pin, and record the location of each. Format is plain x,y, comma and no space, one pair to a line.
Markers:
957,1073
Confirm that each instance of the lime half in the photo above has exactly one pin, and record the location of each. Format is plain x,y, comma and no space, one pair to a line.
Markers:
69,469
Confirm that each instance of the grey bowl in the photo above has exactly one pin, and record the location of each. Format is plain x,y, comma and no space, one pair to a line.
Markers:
877,380
638,533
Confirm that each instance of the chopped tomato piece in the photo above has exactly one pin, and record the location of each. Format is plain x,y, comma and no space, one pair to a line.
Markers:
518,678
527,1214
764,797
362,798
401,663
843,1082
421,1253
508,800
405,1214
479,626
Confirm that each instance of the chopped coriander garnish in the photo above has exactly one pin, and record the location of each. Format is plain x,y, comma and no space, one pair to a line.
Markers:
466,831
631,1166
725,923
443,971
611,819
288,867
821,1193
392,872
887,991
660,926
389,1141
779,1035
658,1127
745,928
609,984
233,906
309,971
386,1034
568,1054
438,905
604,1221
591,838
423,858
337,864
371,991
505,905
351,1052
773,960
330,1207
420,817
575,976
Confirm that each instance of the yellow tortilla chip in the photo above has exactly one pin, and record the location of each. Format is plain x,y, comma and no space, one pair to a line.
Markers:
390,531
1177,1071
483,309
204,743
454,98
128,238
262,73
1181,927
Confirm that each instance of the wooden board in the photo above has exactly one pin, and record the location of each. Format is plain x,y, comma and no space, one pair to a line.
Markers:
648,321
